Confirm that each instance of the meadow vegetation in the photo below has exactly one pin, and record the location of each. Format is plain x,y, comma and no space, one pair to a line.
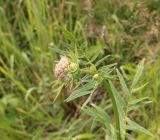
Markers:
107,87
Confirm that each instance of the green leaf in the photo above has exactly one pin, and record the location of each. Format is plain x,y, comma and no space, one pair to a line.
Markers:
116,94
138,88
133,102
138,73
18,83
118,105
101,60
99,115
106,70
83,90
69,35
84,136
136,127
123,83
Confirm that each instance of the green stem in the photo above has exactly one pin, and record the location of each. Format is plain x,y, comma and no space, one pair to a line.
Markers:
117,121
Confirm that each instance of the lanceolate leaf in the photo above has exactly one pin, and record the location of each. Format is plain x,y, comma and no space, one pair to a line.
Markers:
118,105
136,127
99,115
84,136
138,73
139,88
102,60
136,101
105,71
83,90
68,35
123,83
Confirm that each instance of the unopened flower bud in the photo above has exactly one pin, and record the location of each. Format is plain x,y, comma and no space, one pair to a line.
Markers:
95,76
73,67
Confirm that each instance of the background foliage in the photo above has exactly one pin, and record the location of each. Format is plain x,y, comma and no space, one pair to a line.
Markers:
33,35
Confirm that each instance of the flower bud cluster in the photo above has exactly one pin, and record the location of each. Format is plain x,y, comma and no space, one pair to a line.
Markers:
62,68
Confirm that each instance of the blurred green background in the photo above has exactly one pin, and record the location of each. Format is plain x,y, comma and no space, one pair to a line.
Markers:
33,34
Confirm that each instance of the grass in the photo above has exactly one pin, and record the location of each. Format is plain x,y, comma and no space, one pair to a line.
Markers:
105,41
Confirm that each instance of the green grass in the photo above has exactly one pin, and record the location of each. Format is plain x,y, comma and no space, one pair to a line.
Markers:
33,36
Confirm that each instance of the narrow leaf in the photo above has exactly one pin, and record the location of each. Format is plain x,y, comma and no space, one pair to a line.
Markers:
84,136
99,115
123,83
101,60
118,104
83,90
136,127
138,88
133,102
138,73
18,83
68,35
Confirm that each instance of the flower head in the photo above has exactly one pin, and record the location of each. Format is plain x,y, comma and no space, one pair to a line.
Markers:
61,68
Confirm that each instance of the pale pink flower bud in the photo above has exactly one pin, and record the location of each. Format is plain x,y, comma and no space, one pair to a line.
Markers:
61,68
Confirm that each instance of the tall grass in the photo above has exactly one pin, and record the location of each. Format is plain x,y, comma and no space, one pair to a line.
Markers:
33,36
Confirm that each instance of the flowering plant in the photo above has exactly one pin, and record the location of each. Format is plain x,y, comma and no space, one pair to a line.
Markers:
87,79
